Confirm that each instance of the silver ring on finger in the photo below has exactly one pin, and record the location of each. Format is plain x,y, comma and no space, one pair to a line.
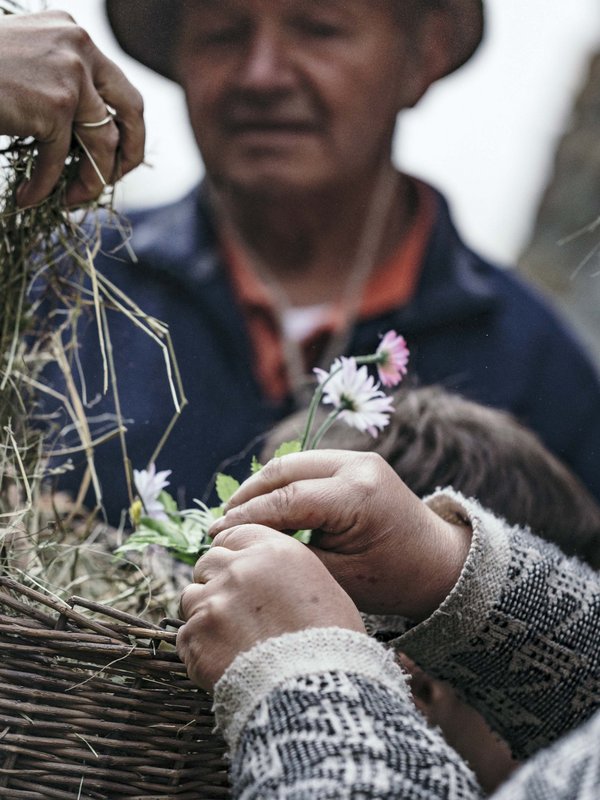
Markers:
105,121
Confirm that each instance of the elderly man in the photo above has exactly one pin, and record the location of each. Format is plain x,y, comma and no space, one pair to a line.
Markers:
304,241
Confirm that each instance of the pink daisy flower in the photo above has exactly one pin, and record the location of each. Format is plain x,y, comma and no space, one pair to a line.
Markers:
393,359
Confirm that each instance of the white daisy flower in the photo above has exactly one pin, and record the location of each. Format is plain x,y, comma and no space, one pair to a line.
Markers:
353,392
149,484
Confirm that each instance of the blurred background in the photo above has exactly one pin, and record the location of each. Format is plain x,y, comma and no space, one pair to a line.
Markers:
513,139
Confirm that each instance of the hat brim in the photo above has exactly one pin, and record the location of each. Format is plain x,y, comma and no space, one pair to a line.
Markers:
147,29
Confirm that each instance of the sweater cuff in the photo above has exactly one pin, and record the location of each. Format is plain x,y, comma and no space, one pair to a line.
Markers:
465,611
255,673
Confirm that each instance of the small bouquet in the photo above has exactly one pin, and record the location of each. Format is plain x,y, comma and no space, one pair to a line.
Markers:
355,399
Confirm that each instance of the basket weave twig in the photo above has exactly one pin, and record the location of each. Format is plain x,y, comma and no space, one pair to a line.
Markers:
94,703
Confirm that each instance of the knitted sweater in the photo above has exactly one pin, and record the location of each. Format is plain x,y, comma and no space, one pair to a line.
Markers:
326,712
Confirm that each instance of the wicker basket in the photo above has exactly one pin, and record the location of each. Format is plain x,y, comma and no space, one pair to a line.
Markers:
94,703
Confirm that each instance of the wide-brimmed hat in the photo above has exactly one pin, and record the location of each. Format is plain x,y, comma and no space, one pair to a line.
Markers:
146,30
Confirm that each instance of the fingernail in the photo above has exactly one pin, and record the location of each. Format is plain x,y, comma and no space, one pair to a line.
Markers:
215,527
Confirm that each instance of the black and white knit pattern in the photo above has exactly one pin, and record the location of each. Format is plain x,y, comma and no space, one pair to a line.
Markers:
324,713
570,770
337,735
531,665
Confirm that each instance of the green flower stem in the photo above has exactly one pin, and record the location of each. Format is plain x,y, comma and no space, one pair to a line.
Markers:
331,418
312,410
374,358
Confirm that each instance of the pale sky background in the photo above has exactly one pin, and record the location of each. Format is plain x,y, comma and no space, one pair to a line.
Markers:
485,136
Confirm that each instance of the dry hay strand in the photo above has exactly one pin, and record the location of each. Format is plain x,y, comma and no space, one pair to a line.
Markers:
48,282
94,702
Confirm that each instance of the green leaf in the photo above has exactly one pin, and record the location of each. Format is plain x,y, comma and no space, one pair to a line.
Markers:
226,486
184,540
255,466
168,502
187,559
295,446
142,538
303,536
167,528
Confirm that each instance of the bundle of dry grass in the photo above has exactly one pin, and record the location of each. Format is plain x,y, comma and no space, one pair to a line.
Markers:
53,250
47,283
93,703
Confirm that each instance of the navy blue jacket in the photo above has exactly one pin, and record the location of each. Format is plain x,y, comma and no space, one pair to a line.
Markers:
472,327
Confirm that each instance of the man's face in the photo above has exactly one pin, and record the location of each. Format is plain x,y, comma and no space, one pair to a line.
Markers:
288,95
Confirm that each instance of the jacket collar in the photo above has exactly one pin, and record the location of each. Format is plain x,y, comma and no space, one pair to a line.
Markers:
455,284
178,239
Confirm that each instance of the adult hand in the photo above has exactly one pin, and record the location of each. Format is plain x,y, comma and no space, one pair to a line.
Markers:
388,550
251,585
52,79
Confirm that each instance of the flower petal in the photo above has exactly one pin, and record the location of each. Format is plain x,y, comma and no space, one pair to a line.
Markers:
351,390
149,484
394,355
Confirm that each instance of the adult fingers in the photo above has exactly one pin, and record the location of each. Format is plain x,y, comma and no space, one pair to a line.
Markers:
194,647
279,472
110,150
190,598
240,537
47,170
96,131
98,161
114,149
210,565
228,547
121,95
316,503
97,164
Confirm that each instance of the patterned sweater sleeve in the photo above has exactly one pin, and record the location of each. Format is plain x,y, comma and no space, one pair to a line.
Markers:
519,636
326,713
